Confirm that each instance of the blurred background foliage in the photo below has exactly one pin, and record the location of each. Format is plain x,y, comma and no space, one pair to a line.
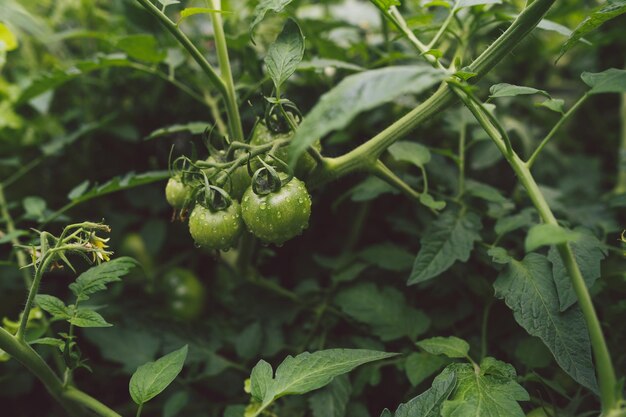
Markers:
90,80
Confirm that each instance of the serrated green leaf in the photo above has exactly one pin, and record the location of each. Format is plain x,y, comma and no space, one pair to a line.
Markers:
421,365
510,90
428,404
265,6
261,380
364,91
332,400
152,378
310,371
593,21
548,234
450,346
528,289
411,152
612,80
448,239
284,55
491,392
589,253
96,278
53,305
385,311
484,191
88,318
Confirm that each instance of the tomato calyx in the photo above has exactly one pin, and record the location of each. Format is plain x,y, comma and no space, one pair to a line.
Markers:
267,180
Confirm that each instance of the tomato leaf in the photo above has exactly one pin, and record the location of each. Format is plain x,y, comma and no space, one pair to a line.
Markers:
358,93
265,6
593,21
152,378
548,234
451,346
411,152
85,317
421,365
53,305
589,253
449,238
510,90
492,391
611,80
428,404
385,311
285,53
96,278
528,289
307,372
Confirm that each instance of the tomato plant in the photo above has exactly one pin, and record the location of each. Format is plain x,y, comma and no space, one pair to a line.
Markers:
453,171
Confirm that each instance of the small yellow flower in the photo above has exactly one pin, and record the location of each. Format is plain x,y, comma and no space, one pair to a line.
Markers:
99,246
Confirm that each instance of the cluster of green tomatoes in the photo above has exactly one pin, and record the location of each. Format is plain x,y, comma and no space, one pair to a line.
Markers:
244,185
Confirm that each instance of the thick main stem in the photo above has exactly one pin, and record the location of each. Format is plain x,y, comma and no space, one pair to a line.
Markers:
443,98
234,120
70,398
604,365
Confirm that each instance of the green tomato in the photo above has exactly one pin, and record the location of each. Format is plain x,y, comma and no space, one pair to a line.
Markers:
239,181
216,229
262,136
177,193
277,216
184,293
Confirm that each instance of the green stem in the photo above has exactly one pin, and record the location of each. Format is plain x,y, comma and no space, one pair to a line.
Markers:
188,45
444,97
23,171
139,410
19,254
604,366
384,173
34,288
556,127
70,398
443,27
234,120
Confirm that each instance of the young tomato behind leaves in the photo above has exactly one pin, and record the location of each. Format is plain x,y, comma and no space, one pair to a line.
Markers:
279,215
184,293
216,229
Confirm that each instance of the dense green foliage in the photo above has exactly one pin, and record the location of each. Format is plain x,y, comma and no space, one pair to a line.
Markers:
290,208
